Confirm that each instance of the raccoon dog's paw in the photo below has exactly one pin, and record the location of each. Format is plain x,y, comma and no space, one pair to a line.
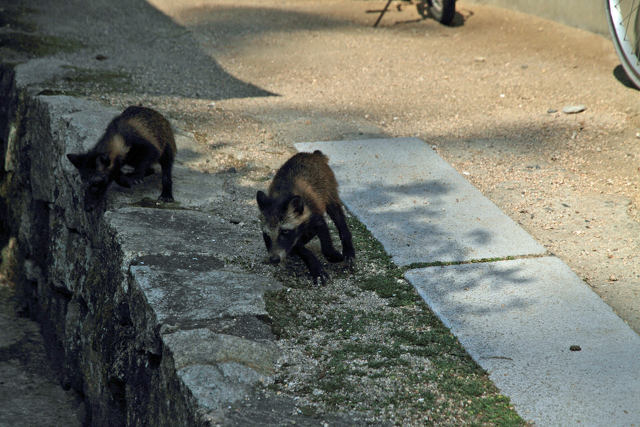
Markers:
123,181
321,276
349,256
350,261
133,178
166,199
334,256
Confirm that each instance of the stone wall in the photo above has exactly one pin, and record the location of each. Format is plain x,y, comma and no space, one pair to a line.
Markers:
146,311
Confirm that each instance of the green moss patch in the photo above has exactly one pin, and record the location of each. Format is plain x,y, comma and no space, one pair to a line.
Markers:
86,81
37,45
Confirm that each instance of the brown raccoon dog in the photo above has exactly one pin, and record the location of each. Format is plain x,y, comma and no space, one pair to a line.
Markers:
303,189
139,137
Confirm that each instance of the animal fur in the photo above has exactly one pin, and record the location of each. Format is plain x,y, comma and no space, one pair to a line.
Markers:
292,213
138,137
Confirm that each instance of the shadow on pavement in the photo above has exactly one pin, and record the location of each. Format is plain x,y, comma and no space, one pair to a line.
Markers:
132,37
621,75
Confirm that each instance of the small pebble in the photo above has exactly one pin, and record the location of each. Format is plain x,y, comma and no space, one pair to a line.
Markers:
573,109
552,110
575,348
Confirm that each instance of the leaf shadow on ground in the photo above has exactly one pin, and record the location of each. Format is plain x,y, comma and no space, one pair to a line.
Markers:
387,220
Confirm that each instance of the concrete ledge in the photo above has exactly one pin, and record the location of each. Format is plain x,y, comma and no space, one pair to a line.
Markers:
148,312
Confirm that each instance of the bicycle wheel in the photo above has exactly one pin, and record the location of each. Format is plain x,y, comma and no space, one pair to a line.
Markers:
441,10
624,25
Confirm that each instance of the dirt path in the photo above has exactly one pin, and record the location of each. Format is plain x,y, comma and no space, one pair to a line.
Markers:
487,93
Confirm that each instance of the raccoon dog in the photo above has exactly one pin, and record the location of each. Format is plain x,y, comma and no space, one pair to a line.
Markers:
303,189
138,137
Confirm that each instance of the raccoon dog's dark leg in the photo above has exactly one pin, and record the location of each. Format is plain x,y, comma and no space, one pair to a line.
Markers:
326,244
146,154
166,163
312,263
337,215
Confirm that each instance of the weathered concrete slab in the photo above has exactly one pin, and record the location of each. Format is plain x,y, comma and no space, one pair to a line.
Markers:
194,290
519,320
220,369
417,205
143,231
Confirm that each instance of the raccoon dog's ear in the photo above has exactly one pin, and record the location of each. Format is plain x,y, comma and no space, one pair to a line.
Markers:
76,159
262,199
297,204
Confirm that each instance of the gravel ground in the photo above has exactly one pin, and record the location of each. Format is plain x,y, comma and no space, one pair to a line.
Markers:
249,78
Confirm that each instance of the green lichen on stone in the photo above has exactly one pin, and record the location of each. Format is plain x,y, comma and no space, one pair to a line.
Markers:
147,202
78,81
37,45
14,19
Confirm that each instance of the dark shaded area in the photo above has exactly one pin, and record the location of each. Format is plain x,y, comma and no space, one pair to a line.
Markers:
127,37
459,18
621,75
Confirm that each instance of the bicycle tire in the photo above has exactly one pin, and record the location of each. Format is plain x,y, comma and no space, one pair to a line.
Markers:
624,25
442,11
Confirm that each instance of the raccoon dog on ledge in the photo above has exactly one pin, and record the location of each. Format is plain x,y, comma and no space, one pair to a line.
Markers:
303,189
138,137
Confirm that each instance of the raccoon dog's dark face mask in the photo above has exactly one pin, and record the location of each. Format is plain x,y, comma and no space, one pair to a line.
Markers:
282,221
95,173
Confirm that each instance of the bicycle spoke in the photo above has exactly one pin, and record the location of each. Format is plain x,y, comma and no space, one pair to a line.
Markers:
628,18
623,22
